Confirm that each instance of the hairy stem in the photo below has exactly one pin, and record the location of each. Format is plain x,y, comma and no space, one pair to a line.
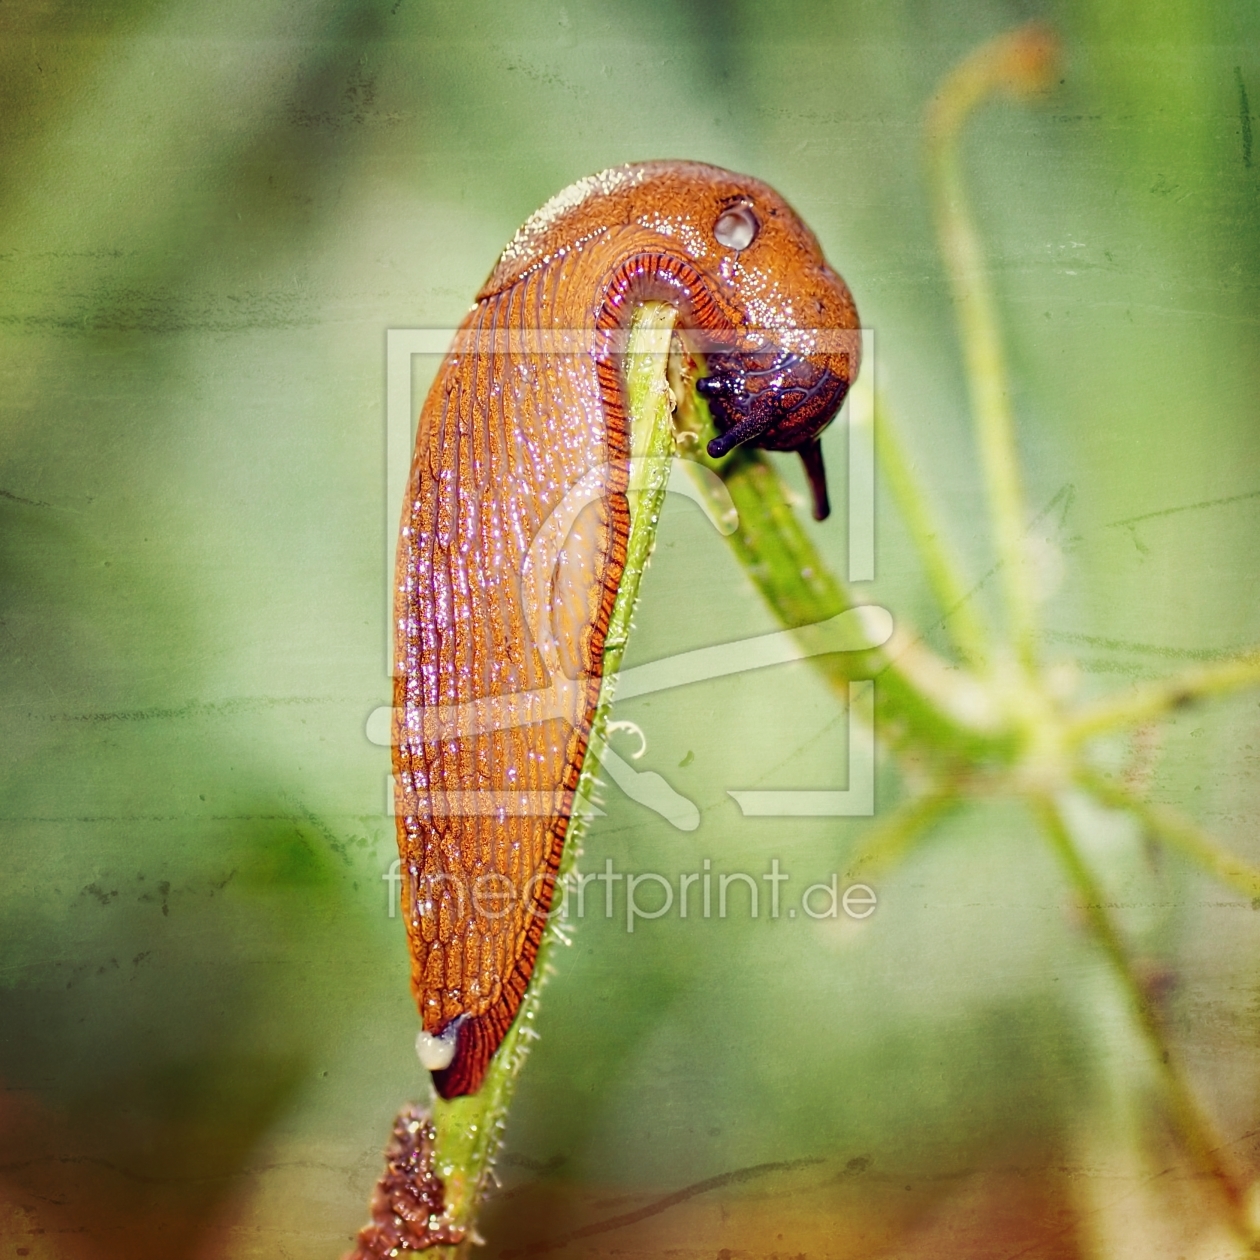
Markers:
775,550
469,1129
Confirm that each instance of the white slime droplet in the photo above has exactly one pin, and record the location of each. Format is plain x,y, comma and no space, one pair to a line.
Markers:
436,1053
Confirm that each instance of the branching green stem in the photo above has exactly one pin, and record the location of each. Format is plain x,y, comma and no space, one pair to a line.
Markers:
889,840
1192,1125
1176,831
1157,699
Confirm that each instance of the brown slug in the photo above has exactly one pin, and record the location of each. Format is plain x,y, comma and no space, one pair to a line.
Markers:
528,402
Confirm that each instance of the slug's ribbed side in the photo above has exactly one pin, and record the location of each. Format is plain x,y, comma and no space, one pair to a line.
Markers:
512,549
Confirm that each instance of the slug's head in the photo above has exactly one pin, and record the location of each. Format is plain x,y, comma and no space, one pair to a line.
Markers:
779,400
775,325
797,353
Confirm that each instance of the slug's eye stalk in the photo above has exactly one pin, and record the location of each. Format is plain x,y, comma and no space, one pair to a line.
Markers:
778,401
736,228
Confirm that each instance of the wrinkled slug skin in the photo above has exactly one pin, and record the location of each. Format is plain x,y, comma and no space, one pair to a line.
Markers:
506,430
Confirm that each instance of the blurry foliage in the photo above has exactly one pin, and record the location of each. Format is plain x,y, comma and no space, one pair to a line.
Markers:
209,217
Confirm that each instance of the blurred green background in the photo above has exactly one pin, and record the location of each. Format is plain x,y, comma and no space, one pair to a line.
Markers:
209,217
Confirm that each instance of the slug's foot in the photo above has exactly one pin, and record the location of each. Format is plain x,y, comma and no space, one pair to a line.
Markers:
409,1203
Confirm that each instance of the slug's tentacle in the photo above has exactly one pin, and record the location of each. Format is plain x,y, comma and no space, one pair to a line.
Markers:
812,458
512,427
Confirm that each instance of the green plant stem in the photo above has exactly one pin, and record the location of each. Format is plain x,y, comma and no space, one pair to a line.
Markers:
915,700
469,1129
1193,1126
1003,62
1177,832
1157,699
890,839
944,575
776,552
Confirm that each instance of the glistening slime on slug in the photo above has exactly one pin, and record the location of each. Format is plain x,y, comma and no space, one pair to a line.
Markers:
509,429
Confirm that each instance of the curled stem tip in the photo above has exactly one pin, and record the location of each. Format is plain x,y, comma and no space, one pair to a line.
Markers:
1020,63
